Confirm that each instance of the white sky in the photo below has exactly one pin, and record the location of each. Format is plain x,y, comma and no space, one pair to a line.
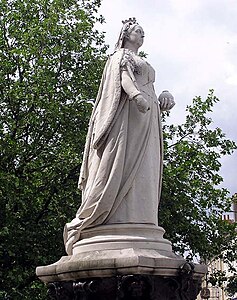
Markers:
192,45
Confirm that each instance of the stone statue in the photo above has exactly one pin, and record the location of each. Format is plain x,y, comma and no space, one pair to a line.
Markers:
121,171
115,247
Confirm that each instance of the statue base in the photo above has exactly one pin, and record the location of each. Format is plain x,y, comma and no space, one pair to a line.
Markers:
126,261
129,287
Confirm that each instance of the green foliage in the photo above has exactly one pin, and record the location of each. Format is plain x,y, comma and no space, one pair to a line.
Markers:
142,54
51,60
192,202
228,282
231,287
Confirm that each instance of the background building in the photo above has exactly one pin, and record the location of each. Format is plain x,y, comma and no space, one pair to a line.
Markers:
215,292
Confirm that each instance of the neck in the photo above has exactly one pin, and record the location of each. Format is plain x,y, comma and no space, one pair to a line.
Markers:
131,47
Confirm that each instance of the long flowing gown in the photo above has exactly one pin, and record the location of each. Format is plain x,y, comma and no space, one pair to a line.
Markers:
122,165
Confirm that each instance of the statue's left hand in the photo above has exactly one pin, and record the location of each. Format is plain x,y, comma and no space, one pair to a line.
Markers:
166,101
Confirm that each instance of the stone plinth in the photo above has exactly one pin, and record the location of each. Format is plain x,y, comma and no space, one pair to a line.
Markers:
122,262
128,287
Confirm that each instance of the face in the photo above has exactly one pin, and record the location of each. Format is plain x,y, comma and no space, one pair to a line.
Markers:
136,36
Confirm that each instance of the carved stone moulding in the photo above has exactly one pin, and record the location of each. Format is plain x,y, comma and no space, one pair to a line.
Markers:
112,236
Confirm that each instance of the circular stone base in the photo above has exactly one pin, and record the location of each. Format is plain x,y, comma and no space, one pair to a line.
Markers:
122,236
116,250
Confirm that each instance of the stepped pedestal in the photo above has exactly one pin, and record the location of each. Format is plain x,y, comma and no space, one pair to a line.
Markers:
126,261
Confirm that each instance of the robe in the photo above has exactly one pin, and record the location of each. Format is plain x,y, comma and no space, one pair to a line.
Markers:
121,171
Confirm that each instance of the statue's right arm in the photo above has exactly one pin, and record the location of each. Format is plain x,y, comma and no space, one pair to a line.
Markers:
128,85
132,91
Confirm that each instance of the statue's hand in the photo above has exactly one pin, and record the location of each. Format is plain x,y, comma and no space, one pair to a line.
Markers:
166,101
142,104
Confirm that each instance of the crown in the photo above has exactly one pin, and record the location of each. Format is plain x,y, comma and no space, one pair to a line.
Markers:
130,21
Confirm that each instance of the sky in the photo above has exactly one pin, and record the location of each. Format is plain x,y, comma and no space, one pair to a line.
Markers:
192,45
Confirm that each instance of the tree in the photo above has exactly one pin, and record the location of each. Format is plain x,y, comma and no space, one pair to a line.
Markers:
192,203
51,60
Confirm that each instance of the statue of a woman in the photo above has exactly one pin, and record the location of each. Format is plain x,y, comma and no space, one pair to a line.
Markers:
121,171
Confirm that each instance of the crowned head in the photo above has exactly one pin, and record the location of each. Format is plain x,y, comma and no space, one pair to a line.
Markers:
131,35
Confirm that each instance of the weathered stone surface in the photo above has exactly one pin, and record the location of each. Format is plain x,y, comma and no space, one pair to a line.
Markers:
113,256
108,263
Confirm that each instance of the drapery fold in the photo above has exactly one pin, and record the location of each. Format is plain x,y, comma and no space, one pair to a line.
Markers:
118,139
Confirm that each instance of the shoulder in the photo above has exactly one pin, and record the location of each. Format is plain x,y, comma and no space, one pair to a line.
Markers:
128,60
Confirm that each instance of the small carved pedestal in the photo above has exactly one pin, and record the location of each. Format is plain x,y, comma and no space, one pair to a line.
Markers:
130,287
